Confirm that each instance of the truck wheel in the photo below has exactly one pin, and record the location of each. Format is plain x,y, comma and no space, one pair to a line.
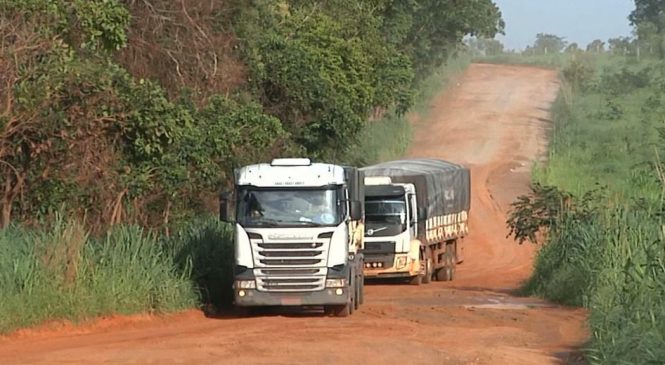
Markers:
416,280
338,310
428,271
446,273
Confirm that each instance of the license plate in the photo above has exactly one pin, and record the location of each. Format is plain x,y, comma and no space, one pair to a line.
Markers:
291,301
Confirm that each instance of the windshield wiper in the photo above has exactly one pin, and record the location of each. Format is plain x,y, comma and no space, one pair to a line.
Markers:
306,223
265,223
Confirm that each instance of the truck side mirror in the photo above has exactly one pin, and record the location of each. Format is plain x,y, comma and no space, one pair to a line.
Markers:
355,210
226,207
422,214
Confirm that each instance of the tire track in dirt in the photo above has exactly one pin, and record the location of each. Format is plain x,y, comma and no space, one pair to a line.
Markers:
495,121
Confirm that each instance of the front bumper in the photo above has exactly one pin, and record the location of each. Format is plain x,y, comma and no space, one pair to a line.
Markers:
258,297
410,269
253,297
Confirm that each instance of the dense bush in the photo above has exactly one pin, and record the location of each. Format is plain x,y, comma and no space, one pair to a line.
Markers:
113,111
597,211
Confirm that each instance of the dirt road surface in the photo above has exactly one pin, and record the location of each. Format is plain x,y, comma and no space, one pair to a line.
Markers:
494,118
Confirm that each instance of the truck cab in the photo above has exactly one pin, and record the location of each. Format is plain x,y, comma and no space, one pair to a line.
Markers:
392,248
298,235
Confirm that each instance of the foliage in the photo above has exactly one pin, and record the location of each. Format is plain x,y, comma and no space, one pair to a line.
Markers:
604,251
548,43
578,73
596,46
649,21
324,68
621,45
62,272
486,47
81,134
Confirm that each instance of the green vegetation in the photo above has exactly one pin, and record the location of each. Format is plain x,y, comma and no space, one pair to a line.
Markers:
597,204
388,138
62,272
121,120
157,103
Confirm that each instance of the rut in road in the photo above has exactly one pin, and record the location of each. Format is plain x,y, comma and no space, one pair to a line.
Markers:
495,120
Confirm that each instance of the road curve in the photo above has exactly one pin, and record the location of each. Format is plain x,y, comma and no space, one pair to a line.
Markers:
494,119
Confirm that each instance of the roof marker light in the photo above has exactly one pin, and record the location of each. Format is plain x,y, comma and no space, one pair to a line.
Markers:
291,162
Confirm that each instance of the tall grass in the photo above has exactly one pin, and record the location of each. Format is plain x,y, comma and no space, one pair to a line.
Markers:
611,257
63,273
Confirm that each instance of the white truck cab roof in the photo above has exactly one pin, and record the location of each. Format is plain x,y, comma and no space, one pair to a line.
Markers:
290,172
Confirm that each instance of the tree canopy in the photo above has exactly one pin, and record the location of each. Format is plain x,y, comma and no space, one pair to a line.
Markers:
130,111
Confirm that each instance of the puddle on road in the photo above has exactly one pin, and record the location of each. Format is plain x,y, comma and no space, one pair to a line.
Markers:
507,305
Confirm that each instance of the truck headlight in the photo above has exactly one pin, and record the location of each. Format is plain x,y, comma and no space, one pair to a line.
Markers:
335,283
401,262
245,284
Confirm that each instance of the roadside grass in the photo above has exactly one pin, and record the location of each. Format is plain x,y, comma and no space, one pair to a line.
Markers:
63,273
605,250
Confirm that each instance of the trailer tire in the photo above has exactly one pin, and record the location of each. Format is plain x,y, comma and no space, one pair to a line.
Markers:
428,271
447,272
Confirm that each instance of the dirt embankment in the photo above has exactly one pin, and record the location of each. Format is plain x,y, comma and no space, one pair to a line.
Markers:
495,120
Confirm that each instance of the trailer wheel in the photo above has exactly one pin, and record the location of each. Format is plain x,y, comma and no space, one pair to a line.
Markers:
447,272
428,271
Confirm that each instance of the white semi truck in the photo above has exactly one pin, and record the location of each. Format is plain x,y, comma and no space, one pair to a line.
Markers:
416,216
298,235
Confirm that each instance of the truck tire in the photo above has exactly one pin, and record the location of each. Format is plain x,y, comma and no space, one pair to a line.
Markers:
345,310
447,272
339,310
416,280
428,271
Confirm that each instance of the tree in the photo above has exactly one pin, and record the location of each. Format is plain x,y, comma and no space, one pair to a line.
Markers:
572,48
597,46
650,16
487,47
433,29
620,45
548,43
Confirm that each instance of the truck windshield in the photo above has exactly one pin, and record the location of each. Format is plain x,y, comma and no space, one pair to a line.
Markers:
289,207
384,217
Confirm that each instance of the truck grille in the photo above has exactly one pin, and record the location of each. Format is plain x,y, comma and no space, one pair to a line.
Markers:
283,284
290,266
380,247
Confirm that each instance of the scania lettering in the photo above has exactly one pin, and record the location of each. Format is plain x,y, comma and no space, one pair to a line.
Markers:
298,235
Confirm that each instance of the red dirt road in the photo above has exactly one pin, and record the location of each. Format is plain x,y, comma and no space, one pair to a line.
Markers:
495,121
